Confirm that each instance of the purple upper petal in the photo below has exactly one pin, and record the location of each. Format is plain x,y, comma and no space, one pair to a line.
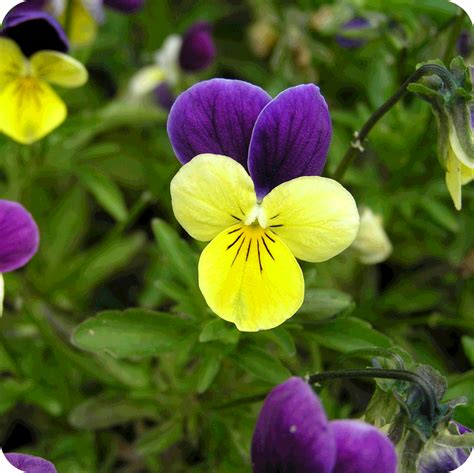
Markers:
361,448
291,138
215,116
19,236
125,6
292,433
198,50
30,464
34,30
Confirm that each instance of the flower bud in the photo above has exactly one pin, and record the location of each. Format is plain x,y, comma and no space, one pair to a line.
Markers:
372,244
198,50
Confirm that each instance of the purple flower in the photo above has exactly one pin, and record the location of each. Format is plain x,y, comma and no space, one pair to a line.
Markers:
19,236
30,464
357,23
275,140
34,30
293,435
125,6
465,43
198,50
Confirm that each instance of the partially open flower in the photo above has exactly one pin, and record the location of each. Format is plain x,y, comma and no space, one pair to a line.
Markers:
372,244
250,184
439,459
450,92
192,52
32,48
347,38
293,434
30,463
19,239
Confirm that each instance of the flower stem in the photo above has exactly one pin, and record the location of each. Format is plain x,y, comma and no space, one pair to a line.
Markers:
456,441
68,17
357,145
403,375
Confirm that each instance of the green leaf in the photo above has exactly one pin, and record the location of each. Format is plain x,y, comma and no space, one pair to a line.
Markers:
325,303
221,330
159,439
108,411
348,334
208,370
133,332
468,345
107,193
261,364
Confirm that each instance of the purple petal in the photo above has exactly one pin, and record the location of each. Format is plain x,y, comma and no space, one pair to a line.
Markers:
19,236
291,138
215,116
292,433
198,50
164,96
30,464
125,6
362,448
34,30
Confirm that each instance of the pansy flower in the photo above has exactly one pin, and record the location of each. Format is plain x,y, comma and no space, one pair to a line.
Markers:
293,435
85,15
250,185
190,53
30,463
19,238
32,47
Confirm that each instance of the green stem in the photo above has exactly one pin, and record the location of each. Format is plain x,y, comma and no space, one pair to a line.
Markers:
457,441
377,373
357,146
68,18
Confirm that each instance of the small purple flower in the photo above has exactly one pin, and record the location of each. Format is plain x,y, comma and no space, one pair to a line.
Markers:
465,43
293,435
357,23
30,464
19,236
34,30
125,6
198,50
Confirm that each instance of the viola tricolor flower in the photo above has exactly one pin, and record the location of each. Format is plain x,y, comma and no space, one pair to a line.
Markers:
32,47
190,53
372,244
19,238
250,185
293,435
30,463
85,15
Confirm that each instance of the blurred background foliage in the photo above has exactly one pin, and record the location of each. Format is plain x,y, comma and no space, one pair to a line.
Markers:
145,389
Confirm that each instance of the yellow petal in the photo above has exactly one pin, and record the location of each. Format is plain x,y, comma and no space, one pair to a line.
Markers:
211,193
13,63
316,217
58,68
467,174
29,110
248,276
453,179
83,27
145,80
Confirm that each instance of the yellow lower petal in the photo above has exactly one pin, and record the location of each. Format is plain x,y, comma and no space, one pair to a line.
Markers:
29,110
316,217
248,276
211,193
58,68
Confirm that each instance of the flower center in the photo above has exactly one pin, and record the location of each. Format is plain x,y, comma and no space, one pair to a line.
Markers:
256,217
